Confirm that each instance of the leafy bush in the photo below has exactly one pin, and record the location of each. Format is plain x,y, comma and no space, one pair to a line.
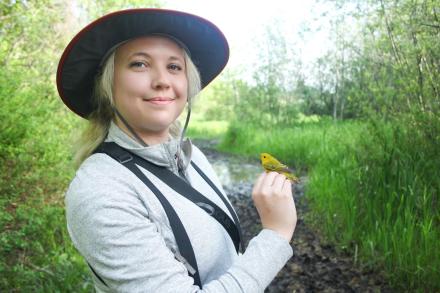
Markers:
36,253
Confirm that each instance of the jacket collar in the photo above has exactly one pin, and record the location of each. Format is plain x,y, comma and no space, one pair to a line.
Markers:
163,154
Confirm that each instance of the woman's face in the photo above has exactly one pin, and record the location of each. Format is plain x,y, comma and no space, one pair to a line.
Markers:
150,86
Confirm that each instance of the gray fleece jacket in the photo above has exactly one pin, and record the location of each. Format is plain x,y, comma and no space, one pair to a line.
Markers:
121,229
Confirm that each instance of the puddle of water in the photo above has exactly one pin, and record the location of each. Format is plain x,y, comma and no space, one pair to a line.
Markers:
230,172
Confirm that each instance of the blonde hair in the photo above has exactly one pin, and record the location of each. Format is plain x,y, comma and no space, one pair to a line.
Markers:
100,119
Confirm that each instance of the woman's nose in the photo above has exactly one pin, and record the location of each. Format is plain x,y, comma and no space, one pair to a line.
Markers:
160,79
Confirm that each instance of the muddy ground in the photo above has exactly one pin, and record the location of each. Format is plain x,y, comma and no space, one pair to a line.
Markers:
315,266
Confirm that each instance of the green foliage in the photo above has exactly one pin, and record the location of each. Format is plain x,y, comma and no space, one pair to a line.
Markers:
398,187
216,101
36,253
373,188
269,98
99,8
300,146
384,60
207,129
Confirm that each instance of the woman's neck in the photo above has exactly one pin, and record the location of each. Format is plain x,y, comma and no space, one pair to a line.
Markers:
148,138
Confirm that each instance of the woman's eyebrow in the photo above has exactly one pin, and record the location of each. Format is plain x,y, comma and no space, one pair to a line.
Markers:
143,54
172,58
146,55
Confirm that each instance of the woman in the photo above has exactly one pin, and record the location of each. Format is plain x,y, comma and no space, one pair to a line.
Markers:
145,208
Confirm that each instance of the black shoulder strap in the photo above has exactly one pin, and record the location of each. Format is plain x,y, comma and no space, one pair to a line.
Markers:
186,251
225,201
183,188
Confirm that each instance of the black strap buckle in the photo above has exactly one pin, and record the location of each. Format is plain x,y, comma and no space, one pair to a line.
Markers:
125,157
208,208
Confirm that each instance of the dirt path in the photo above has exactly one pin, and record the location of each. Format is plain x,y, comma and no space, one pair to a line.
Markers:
315,266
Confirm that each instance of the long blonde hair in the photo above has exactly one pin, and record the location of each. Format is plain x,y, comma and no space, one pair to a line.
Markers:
100,119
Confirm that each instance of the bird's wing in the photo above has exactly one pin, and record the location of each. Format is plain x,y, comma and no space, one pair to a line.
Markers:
283,168
276,167
270,167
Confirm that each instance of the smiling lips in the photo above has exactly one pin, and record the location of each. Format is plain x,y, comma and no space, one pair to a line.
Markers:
159,100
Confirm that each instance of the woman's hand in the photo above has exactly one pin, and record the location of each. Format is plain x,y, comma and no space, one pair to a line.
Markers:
272,196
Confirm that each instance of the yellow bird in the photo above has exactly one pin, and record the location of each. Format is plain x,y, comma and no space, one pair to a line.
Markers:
269,163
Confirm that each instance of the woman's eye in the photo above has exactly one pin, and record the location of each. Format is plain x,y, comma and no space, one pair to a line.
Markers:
175,67
138,64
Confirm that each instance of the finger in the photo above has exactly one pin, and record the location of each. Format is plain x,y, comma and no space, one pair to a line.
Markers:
279,182
259,181
268,180
287,187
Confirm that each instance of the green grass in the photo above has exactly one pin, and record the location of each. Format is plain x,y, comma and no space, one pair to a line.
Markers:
373,189
299,146
207,129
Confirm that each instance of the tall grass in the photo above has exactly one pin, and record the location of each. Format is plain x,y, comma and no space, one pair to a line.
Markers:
399,191
373,188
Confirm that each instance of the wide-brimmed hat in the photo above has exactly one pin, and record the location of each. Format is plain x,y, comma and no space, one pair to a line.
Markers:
81,60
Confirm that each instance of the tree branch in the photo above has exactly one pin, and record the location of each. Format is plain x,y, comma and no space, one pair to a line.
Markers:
431,25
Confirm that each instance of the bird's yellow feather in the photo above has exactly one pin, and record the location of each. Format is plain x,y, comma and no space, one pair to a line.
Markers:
270,163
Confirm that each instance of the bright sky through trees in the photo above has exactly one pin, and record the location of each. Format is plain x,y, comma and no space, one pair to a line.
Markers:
243,20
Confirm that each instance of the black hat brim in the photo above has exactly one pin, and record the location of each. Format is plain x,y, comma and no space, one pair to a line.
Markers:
81,59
